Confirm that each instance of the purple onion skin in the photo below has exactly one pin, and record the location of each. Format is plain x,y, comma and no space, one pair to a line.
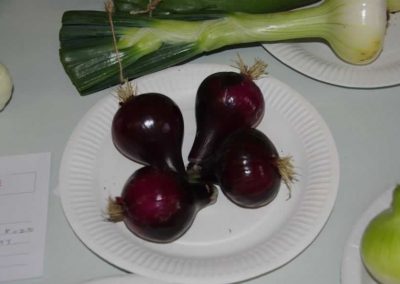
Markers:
225,102
159,205
148,129
246,169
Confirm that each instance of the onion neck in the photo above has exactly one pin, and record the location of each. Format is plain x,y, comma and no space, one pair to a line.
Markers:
206,139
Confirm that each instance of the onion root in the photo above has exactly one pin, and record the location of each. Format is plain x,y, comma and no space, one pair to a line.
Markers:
287,172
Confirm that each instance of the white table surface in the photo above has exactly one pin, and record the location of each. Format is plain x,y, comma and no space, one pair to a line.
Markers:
45,107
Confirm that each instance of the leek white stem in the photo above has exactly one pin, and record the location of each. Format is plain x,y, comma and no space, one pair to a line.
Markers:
355,29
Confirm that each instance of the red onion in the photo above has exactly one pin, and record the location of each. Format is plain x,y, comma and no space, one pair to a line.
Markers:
159,205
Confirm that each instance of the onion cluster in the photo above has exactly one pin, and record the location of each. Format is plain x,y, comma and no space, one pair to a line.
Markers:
159,201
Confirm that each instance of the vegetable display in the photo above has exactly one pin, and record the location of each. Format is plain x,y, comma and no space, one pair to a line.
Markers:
6,86
354,30
159,201
380,243
158,7
159,205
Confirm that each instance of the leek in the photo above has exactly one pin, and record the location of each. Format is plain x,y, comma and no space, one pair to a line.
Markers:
165,7
354,29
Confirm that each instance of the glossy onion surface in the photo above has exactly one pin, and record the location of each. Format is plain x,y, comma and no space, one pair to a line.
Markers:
225,102
247,168
148,129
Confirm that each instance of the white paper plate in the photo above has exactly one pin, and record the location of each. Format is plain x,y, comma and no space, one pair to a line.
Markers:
317,61
128,279
353,270
226,243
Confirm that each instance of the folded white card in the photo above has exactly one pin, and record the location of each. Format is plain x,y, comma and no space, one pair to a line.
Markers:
24,191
